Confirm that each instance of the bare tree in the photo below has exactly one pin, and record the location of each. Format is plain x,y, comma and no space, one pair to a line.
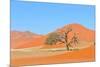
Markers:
62,38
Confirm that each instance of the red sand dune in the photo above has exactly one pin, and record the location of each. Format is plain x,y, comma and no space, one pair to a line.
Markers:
25,40
83,33
28,39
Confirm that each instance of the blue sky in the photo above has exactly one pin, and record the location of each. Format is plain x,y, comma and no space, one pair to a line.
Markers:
42,18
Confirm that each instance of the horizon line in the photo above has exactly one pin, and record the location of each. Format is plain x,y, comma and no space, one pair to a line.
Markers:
52,30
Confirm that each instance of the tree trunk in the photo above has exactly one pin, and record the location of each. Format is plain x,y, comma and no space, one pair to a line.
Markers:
67,47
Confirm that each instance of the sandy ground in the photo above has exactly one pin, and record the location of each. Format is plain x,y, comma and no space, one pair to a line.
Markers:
38,55
39,51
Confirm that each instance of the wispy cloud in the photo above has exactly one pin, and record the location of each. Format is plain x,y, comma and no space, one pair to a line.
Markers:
87,2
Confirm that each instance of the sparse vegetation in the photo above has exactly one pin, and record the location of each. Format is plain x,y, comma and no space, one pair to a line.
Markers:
62,38
52,39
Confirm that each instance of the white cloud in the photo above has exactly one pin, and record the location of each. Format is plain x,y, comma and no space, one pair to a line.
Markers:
87,2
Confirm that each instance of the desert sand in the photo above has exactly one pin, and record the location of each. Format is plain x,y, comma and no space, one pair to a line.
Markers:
28,48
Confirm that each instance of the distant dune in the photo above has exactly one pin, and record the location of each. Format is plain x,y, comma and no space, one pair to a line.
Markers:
25,39
29,39
84,33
